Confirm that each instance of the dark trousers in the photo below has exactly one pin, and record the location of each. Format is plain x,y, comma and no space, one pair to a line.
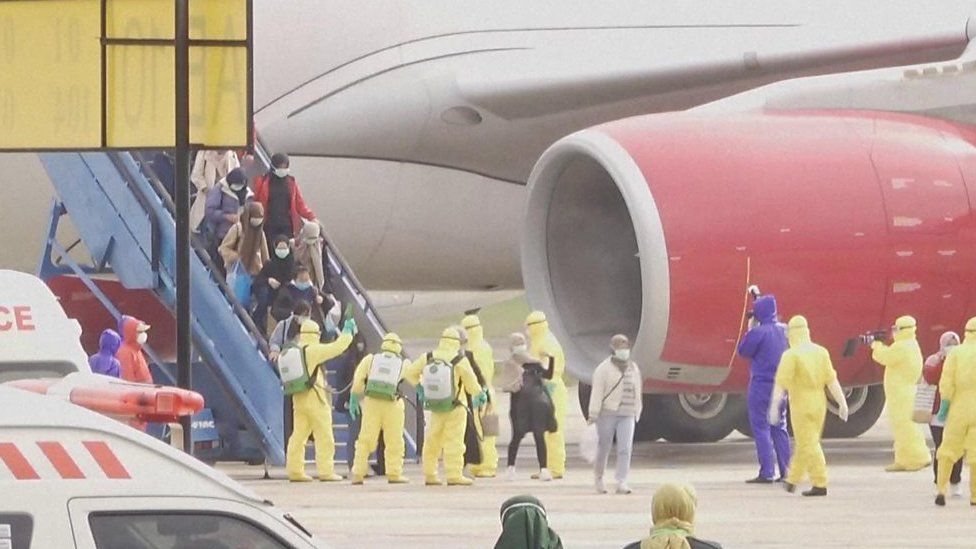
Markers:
956,477
519,432
263,296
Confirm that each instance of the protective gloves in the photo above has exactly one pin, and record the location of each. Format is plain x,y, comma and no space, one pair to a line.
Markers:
479,399
354,406
943,411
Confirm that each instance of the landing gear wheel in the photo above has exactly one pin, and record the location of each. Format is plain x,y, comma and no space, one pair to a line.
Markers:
865,405
699,417
743,426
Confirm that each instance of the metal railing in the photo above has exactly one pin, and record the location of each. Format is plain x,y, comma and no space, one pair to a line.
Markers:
344,273
201,251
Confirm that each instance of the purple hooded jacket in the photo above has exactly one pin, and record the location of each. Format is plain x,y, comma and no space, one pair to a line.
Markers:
104,361
764,344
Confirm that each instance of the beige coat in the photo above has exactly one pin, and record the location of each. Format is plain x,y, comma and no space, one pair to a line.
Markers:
607,392
230,248
209,167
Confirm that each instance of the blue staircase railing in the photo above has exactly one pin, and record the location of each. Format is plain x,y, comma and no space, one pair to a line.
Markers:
125,223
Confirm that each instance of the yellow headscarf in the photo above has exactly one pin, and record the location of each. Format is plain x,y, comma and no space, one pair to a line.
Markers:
673,513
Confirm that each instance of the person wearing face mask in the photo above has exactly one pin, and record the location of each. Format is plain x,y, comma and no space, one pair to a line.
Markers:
376,395
312,409
245,241
224,205
301,289
616,404
958,411
932,372
543,344
301,311
132,363
209,167
531,409
902,361
480,352
278,192
309,252
441,377
276,272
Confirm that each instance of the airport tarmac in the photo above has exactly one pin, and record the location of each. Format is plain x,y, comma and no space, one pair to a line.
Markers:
866,507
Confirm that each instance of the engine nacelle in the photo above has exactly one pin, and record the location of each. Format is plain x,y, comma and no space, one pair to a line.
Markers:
654,227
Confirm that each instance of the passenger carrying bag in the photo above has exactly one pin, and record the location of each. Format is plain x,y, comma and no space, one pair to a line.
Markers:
924,401
239,282
437,379
291,369
384,376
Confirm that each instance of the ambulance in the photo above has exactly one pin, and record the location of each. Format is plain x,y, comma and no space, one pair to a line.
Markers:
37,339
74,479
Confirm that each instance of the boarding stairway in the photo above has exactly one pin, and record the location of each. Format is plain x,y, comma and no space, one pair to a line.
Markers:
349,290
124,216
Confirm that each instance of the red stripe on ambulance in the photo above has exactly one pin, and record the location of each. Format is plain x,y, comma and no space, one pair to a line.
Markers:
16,462
59,458
106,459
65,465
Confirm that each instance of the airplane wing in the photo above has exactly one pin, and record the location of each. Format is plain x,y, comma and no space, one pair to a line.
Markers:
525,92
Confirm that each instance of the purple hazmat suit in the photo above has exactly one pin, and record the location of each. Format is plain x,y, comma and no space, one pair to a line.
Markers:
104,361
764,345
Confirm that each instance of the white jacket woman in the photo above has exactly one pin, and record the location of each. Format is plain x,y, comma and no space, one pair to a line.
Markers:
616,404
209,167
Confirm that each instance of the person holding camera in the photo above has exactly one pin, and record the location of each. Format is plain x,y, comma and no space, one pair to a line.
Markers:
902,361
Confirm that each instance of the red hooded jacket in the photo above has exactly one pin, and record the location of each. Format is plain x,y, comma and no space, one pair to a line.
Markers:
133,363
299,211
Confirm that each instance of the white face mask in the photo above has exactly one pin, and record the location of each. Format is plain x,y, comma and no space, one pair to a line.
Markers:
142,338
281,172
257,221
281,252
237,188
520,350
622,354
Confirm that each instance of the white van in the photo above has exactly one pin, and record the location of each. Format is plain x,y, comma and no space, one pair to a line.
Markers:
37,339
71,478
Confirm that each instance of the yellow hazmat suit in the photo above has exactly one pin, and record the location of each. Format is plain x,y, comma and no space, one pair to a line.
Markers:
379,414
485,358
313,408
903,368
804,372
446,429
958,387
543,343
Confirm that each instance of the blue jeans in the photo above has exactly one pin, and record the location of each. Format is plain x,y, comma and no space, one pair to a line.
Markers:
608,425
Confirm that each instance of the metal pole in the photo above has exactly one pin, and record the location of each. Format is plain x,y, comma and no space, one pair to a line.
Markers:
183,374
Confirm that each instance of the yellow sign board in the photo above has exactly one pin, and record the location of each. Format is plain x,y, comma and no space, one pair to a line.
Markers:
71,82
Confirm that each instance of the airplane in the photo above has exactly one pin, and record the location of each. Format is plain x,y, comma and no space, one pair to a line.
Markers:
564,144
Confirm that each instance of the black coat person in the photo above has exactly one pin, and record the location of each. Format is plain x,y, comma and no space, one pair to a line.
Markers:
532,409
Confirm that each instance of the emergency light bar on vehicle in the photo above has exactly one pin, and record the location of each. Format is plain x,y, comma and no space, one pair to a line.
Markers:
118,398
